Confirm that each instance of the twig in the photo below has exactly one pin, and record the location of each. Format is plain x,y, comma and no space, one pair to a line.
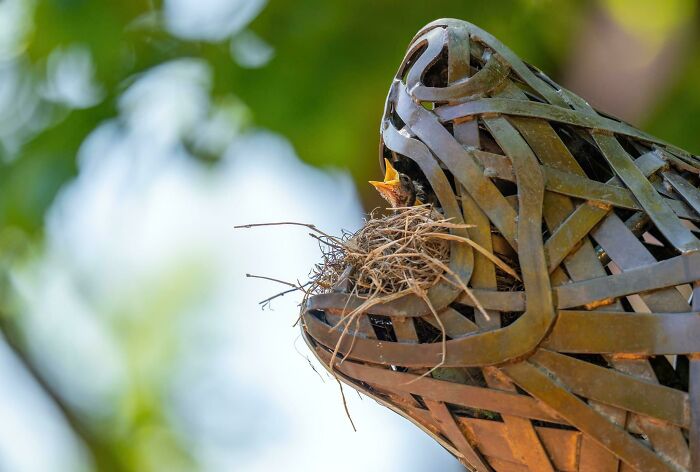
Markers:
313,228
298,286
271,279
345,404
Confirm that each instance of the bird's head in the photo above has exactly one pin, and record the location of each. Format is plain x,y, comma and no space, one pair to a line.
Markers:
398,189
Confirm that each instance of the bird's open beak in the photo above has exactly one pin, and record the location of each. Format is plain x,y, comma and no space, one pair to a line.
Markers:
389,189
391,180
384,186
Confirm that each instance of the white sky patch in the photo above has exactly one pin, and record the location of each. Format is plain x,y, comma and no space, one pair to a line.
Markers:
209,20
33,435
70,78
250,51
15,26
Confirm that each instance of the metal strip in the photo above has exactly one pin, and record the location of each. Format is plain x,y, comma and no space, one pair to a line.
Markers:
675,271
687,191
608,435
617,389
654,205
619,332
456,113
458,394
451,429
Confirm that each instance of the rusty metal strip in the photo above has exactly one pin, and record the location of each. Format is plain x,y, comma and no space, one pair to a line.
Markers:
435,41
494,72
451,429
571,232
691,163
667,440
466,395
359,327
484,274
404,329
543,140
679,162
530,197
494,164
659,212
687,191
459,67
683,210
618,332
587,189
454,323
524,442
490,437
492,441
472,350
494,300
568,233
519,67
595,458
520,433
531,109
617,389
540,385
628,252
564,183
506,466
675,271
562,445
467,134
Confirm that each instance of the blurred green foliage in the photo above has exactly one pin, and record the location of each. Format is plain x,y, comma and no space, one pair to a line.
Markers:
334,61
324,89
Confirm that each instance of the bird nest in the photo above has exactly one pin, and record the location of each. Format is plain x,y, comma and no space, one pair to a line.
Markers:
388,257
589,363
391,256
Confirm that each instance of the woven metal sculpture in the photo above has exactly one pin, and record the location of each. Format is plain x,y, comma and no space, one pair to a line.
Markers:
591,363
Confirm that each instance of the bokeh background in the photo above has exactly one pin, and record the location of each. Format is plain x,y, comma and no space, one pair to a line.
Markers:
135,134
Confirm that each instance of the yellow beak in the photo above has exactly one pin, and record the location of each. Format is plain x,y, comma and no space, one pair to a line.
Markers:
389,188
390,174
391,179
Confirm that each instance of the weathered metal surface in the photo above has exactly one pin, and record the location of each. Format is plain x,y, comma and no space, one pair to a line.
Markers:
595,214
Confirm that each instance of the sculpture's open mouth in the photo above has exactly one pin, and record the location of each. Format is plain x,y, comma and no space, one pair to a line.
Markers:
588,361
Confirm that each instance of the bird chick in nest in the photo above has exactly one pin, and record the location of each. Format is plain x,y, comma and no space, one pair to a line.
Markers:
398,188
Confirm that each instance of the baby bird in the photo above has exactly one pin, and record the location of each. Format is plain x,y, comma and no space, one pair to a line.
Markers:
398,189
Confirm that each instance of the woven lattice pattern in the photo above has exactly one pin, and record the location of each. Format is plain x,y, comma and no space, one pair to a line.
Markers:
590,363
